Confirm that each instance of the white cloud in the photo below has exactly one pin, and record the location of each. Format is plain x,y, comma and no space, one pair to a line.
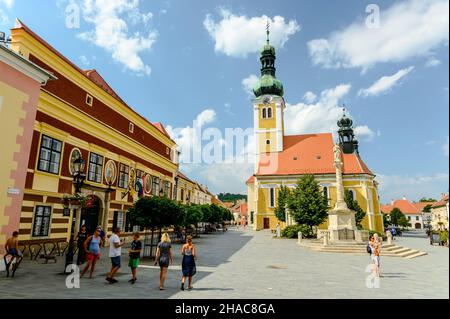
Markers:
385,84
206,117
4,20
321,116
432,61
310,97
111,20
221,177
408,29
363,132
226,174
238,35
187,138
445,148
249,83
413,187
7,3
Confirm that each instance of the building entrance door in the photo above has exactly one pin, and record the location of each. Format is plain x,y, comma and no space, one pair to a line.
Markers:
90,214
266,223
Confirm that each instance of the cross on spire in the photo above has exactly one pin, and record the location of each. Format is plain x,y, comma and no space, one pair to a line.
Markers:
268,30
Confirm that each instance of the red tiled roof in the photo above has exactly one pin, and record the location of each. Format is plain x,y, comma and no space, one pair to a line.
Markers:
309,154
100,81
421,205
229,204
442,202
250,180
404,205
185,177
386,209
160,127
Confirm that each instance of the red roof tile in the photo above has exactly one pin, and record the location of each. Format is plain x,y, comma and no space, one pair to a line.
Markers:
442,202
421,205
185,177
250,180
160,127
404,205
309,154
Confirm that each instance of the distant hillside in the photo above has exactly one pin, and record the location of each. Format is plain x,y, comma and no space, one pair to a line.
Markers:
227,197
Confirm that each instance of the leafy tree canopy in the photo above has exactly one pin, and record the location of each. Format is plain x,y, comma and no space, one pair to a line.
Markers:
307,203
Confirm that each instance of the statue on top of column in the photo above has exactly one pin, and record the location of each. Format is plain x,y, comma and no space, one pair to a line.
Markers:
337,156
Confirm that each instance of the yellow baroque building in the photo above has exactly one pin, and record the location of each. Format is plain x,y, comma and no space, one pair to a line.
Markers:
282,159
80,116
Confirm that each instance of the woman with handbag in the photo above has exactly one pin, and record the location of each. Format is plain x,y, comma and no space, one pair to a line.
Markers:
164,258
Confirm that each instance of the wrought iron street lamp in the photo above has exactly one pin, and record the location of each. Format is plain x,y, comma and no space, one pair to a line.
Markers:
78,181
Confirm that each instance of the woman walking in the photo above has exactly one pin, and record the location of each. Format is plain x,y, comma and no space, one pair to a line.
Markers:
164,258
81,238
189,254
92,248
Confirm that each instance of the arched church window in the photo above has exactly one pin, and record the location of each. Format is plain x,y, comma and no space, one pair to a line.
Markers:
269,112
268,142
264,113
325,192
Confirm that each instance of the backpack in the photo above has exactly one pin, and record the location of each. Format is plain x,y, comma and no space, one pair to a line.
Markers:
369,249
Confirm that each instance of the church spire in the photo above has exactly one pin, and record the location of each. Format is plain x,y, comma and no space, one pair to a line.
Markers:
268,84
347,139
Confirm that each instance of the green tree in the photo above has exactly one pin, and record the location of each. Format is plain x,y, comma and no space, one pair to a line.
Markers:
386,220
192,216
307,204
427,209
425,199
354,206
280,210
398,218
155,213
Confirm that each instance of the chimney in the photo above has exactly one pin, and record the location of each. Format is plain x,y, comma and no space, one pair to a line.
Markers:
392,202
404,197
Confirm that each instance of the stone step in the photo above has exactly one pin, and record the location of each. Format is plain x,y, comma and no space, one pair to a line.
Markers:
410,252
418,254
387,250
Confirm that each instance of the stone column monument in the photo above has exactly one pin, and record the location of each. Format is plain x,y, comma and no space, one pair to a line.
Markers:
341,220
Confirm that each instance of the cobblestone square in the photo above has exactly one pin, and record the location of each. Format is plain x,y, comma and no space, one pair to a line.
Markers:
246,264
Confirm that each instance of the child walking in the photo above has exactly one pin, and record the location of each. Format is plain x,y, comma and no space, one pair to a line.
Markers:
135,256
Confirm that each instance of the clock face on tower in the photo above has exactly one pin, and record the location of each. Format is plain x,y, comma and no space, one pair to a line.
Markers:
267,99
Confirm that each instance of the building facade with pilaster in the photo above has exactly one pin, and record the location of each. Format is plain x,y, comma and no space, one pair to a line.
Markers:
80,115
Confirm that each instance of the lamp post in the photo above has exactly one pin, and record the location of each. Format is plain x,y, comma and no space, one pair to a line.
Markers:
78,181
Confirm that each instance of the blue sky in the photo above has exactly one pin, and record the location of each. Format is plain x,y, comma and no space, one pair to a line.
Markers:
174,61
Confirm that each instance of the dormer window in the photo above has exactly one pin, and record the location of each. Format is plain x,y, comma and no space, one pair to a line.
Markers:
131,128
89,100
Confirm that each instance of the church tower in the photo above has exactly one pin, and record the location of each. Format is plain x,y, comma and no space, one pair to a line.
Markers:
268,106
347,140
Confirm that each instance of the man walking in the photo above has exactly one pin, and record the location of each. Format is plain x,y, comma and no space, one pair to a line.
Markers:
115,252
